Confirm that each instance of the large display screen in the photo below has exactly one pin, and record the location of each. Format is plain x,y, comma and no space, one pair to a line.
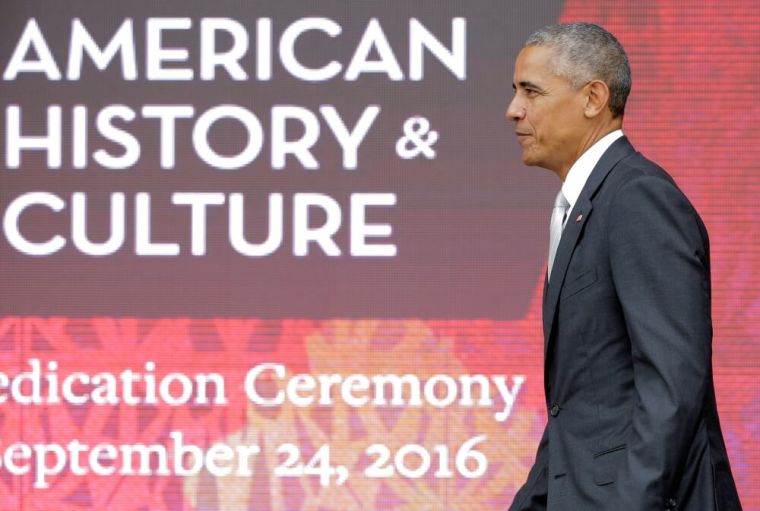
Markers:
284,254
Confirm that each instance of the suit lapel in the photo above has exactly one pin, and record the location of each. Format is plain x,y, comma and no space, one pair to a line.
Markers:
565,249
575,223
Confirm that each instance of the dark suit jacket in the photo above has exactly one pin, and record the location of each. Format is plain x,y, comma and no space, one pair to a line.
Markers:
632,420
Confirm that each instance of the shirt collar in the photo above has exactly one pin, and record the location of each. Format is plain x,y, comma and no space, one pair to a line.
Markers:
580,171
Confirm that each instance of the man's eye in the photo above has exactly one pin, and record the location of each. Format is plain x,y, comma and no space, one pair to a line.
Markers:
531,93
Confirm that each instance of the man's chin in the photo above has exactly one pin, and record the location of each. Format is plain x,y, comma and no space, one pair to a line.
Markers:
533,158
535,162
530,160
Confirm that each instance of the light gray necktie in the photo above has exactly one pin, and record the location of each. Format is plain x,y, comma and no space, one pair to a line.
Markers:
555,228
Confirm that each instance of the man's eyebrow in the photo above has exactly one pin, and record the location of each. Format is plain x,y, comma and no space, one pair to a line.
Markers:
527,84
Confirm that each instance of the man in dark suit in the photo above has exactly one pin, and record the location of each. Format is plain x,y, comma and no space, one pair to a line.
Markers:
633,423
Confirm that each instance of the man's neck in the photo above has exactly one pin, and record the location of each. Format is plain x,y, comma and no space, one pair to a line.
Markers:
593,136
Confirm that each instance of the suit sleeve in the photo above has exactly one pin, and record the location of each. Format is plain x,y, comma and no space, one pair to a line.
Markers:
532,496
659,257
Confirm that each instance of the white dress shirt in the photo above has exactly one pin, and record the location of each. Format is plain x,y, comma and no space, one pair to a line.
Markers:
580,171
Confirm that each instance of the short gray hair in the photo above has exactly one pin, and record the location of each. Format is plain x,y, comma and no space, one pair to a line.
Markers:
584,52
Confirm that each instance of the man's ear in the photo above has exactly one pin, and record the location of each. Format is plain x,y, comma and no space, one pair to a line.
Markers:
597,98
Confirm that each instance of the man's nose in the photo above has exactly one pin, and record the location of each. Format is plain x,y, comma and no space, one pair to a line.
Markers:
515,110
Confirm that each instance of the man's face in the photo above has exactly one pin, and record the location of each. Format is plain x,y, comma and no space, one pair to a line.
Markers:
547,111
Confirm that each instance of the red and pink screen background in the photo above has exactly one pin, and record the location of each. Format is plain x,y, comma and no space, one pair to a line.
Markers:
463,295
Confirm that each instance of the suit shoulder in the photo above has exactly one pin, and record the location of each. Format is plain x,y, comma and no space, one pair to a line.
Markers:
636,175
639,188
637,167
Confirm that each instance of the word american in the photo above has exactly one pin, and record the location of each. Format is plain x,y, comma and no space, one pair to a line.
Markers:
373,52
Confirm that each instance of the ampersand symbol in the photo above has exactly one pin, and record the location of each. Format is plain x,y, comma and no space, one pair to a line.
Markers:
418,138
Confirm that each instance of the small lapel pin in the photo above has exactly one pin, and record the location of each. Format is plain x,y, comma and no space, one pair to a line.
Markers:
579,218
